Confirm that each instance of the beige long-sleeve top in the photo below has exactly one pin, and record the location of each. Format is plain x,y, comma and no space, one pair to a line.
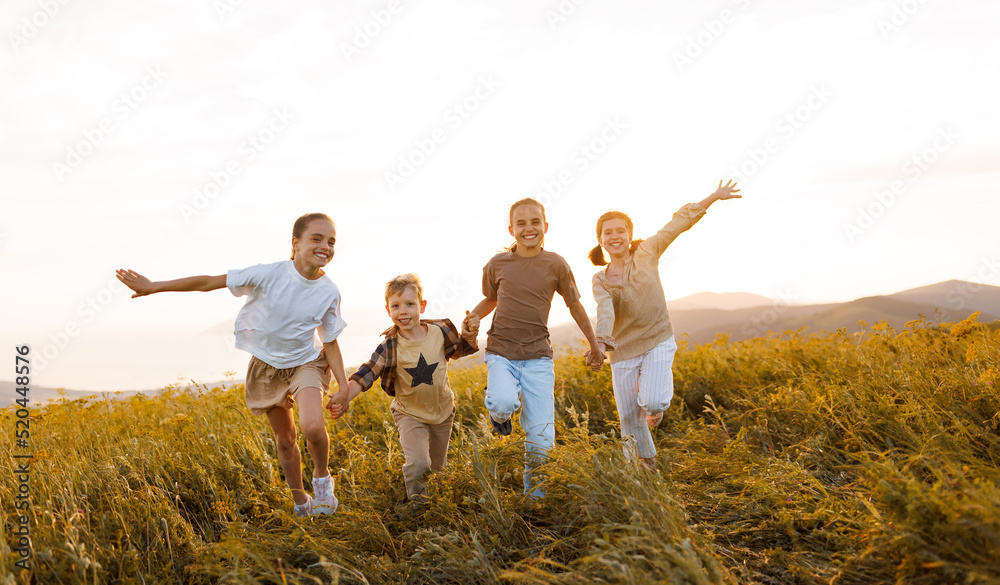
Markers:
632,317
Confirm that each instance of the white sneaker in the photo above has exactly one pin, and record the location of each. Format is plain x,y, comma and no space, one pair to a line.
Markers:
305,509
323,502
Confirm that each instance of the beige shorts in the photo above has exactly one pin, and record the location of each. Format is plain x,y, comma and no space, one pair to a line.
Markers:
268,387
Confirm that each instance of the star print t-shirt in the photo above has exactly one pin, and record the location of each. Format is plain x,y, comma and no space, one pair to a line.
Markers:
422,374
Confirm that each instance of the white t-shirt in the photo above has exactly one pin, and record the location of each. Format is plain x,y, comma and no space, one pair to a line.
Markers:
287,318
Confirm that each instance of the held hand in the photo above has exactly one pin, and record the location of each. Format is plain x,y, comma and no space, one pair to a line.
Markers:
139,284
338,405
594,361
595,357
471,323
333,407
727,191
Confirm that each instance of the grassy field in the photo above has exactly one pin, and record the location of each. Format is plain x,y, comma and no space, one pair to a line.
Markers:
870,458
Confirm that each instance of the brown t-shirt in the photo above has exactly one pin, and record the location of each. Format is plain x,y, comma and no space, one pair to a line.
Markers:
523,289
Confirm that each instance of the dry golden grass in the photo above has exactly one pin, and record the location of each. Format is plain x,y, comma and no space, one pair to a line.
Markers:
793,459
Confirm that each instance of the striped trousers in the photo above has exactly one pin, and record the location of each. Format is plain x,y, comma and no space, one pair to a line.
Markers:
643,385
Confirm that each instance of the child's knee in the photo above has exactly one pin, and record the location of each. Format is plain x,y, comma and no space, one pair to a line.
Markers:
501,389
661,402
314,432
285,442
417,468
501,404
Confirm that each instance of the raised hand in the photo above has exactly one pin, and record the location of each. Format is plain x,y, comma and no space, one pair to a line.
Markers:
727,191
139,284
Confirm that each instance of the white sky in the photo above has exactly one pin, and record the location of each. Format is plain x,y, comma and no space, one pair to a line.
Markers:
113,115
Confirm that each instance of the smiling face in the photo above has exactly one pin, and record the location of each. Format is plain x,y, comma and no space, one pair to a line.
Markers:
314,249
527,225
615,237
404,309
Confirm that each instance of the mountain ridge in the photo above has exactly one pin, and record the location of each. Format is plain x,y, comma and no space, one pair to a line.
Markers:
948,301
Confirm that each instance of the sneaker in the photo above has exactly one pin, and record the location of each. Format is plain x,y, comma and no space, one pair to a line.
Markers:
502,428
653,419
324,501
302,510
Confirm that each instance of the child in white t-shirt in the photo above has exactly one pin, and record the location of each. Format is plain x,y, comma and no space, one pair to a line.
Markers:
289,324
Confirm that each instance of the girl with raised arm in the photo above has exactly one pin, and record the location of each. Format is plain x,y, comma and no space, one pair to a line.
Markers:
633,324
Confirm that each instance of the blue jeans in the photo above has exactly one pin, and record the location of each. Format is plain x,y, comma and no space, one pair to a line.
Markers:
511,383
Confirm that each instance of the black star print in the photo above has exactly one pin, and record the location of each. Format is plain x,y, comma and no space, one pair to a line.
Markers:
423,373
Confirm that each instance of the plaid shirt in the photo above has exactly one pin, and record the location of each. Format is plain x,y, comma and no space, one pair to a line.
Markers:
383,362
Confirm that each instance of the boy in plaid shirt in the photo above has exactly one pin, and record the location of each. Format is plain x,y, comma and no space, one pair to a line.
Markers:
412,363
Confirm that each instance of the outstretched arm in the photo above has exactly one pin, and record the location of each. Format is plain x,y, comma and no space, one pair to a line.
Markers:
595,357
727,191
687,216
142,286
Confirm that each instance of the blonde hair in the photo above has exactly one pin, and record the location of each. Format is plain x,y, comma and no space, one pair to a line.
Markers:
398,285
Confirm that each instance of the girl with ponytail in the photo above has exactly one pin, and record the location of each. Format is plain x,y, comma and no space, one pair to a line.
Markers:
633,324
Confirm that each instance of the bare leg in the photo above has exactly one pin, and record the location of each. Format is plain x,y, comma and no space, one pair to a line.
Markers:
283,426
310,402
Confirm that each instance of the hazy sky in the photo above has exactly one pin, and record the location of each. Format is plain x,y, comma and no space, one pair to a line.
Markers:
183,137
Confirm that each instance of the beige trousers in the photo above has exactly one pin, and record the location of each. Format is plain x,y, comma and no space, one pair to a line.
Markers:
425,448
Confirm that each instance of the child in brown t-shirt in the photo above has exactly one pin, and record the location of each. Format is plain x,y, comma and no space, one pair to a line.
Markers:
520,284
